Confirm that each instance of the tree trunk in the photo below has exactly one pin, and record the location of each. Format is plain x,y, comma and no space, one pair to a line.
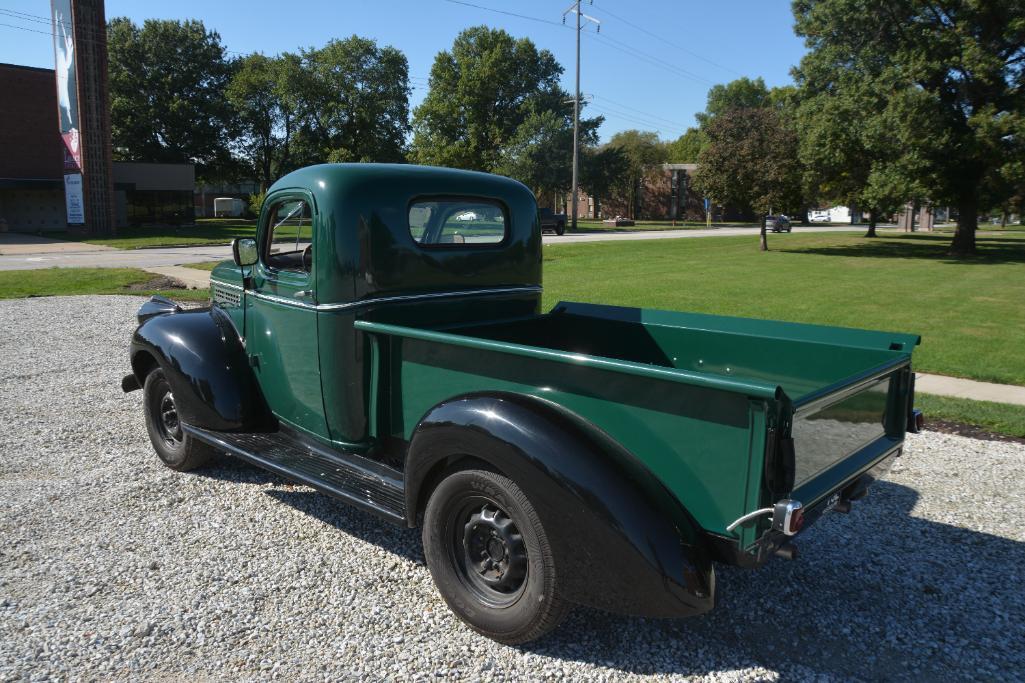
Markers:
763,241
967,223
872,225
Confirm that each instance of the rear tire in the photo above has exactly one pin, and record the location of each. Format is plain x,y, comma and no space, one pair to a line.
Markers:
177,449
490,557
560,228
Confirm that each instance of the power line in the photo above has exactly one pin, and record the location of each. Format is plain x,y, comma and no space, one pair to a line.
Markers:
625,116
650,59
502,11
674,124
668,42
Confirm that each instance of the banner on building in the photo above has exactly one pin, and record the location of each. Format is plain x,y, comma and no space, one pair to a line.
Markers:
67,106
74,199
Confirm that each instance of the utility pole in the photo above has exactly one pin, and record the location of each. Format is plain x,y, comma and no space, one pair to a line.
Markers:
575,9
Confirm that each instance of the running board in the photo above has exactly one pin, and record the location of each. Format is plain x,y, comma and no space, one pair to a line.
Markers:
359,481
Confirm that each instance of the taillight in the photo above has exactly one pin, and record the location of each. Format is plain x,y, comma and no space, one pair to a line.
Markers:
788,516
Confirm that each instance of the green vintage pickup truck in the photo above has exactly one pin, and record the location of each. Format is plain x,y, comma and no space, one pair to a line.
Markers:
381,340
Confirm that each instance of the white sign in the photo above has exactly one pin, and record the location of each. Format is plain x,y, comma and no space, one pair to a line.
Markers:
73,198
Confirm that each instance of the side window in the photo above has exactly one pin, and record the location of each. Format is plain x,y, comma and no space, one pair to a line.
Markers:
289,242
467,222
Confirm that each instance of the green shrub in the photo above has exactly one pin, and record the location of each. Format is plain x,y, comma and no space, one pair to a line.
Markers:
256,203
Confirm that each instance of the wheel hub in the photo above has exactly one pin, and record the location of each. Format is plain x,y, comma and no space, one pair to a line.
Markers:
494,550
169,421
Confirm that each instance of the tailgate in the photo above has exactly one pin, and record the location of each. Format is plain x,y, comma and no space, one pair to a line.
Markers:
845,430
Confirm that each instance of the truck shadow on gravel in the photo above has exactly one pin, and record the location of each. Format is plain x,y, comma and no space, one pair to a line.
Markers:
876,594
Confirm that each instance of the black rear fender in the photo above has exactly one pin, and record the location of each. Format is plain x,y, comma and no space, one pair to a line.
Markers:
205,363
622,542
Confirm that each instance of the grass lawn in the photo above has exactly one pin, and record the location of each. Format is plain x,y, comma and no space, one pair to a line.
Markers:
970,313
205,231
206,265
15,284
1001,418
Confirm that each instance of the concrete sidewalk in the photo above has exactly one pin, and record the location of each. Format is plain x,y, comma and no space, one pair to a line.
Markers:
957,387
192,277
22,244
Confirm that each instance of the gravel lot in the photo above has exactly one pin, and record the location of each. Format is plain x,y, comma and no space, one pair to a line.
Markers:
115,568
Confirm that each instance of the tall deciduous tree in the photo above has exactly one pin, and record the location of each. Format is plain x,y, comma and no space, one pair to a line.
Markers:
750,161
540,154
601,170
254,94
167,84
686,148
950,89
644,153
481,92
743,93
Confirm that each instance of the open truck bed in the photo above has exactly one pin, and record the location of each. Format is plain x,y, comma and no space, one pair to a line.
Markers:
733,414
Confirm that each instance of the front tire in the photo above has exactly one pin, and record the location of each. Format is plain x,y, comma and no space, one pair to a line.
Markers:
490,557
175,448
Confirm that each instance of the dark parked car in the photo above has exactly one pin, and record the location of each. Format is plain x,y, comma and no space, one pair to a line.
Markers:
552,221
778,223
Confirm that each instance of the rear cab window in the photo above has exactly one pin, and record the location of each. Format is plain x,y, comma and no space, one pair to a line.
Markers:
456,222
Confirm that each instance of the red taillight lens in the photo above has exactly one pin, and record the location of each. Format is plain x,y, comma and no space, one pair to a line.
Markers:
796,520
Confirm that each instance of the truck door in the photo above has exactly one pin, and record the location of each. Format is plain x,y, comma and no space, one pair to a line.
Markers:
281,315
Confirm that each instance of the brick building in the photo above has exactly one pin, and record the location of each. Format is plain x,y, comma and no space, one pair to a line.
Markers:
32,170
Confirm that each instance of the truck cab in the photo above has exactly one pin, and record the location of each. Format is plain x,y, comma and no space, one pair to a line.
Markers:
380,338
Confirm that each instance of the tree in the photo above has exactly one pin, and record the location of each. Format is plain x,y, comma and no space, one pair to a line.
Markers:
847,162
950,90
601,169
167,84
254,94
540,154
742,93
751,161
481,92
357,100
643,153
686,148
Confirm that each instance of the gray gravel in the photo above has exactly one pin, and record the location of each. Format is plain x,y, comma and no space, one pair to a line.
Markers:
115,568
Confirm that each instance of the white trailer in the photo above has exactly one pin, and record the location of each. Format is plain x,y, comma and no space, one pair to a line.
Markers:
228,207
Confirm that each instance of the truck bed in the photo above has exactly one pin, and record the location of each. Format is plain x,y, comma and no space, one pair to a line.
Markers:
691,396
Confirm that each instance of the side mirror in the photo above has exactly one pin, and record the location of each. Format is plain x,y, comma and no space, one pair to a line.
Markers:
243,250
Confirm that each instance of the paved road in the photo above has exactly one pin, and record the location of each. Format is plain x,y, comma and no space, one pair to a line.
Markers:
49,253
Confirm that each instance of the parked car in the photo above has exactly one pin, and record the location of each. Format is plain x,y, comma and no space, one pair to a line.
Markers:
555,222
780,223
588,455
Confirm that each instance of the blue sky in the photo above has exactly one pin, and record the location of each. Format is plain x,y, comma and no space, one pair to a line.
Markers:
650,67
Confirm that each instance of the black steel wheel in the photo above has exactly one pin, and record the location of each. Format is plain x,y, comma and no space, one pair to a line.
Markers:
177,449
560,228
490,557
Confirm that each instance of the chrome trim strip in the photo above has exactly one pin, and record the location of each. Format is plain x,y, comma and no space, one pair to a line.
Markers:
432,295
229,285
829,399
380,300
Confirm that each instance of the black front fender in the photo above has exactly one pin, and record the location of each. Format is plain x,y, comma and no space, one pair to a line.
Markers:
621,541
206,365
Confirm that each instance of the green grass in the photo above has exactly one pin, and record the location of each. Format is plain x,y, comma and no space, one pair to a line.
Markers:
205,231
15,284
970,313
595,225
206,265
1001,418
